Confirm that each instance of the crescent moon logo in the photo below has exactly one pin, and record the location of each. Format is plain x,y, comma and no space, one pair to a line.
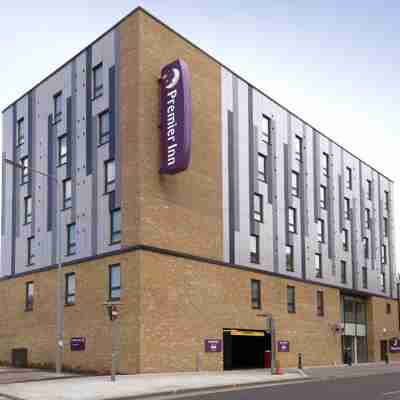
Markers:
176,75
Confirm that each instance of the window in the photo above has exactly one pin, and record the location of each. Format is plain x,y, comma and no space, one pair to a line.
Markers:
320,303
98,80
385,226
109,175
298,148
62,150
292,220
318,265
104,127
349,178
266,132
322,200
367,214
70,287
382,279
264,147
384,254
386,194
295,183
364,278
254,249
20,132
321,230
345,239
325,164
289,258
258,212
343,272
115,282
24,170
266,125
57,107
369,189
116,225
365,241
30,253
71,239
346,208
28,210
29,296
262,162
291,299
388,308
67,193
255,294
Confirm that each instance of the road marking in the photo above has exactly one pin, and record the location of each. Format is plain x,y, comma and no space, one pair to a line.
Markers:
391,393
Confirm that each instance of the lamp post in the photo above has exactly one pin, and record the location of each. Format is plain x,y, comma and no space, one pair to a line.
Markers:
270,326
60,306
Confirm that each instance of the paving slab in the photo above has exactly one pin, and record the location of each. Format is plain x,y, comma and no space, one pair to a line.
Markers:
345,371
14,375
141,385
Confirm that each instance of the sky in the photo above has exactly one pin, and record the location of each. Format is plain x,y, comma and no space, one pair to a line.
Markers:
333,63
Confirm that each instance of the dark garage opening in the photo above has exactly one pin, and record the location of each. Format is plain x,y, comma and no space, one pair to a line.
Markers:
244,349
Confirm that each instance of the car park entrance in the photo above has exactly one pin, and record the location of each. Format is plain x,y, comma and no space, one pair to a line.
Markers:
245,349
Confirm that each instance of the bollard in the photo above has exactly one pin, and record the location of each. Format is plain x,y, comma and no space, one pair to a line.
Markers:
300,361
386,358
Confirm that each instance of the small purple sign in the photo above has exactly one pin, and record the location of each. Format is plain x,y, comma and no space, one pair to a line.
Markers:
283,346
213,345
78,344
176,117
394,345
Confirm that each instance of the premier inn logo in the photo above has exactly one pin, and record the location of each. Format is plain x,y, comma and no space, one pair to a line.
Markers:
176,117
171,78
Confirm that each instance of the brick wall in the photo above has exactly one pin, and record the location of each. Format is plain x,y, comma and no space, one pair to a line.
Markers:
378,320
185,302
184,211
35,330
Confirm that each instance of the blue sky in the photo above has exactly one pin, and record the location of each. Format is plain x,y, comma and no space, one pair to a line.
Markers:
334,63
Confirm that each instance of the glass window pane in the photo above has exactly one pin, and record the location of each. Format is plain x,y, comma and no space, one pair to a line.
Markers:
265,125
104,123
110,171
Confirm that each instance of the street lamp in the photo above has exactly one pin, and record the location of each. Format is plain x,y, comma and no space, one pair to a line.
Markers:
60,305
270,325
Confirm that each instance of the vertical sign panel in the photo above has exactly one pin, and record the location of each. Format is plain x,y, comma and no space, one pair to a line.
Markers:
176,117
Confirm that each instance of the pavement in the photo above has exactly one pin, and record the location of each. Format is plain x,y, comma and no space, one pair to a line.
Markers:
50,386
18,375
141,385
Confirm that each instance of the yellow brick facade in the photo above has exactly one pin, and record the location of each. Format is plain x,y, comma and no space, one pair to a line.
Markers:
170,305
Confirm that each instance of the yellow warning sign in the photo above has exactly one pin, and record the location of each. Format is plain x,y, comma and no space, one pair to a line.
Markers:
237,332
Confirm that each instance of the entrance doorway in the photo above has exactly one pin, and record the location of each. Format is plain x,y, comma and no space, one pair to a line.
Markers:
384,349
245,349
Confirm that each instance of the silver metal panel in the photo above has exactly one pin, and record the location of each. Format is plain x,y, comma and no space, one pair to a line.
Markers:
273,231
71,80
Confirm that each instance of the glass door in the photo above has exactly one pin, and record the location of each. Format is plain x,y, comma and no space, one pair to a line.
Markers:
348,349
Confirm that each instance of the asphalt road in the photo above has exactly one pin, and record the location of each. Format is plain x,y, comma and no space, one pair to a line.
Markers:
373,387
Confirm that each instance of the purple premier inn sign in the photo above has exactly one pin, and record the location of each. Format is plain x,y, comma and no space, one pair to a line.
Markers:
176,117
394,345
212,345
283,346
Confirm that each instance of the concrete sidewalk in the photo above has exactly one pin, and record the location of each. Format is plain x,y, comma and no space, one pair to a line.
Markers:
141,385
344,371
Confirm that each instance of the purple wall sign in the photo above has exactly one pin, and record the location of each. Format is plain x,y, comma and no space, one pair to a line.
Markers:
283,346
213,345
394,345
78,344
176,117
